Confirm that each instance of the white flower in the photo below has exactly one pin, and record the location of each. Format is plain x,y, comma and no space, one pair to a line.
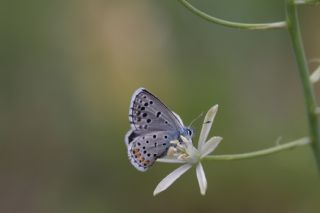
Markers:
184,152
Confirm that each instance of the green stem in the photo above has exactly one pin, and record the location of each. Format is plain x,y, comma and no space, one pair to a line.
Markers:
310,100
260,153
260,26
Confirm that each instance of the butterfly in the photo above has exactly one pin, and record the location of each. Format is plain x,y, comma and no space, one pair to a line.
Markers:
153,126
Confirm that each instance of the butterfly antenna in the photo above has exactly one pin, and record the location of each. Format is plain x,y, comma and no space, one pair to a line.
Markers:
200,115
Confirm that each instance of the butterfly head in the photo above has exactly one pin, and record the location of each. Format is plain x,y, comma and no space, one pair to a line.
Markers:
188,132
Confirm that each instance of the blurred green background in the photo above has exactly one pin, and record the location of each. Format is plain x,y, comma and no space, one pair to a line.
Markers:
69,68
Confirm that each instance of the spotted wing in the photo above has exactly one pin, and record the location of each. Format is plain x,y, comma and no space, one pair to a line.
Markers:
145,149
148,113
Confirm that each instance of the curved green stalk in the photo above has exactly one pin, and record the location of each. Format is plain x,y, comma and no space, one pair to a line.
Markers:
310,100
260,26
263,152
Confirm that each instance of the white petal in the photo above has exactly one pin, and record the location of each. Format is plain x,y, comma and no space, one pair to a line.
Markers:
173,176
210,146
201,179
315,76
206,126
170,160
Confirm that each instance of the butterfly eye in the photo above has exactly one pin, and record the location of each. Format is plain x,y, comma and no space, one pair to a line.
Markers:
189,132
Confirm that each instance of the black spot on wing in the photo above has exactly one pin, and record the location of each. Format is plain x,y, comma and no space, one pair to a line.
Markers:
132,136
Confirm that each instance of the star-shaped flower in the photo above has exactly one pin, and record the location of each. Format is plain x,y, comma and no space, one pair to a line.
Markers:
184,152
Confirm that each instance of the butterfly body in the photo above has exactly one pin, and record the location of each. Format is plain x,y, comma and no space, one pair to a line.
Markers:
153,127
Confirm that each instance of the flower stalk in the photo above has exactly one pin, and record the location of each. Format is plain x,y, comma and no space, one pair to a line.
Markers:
260,153
248,26
310,100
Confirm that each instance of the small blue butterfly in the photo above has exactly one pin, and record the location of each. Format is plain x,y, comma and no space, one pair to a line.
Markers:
153,126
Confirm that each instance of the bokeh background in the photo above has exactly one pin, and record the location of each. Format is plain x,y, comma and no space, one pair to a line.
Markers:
69,68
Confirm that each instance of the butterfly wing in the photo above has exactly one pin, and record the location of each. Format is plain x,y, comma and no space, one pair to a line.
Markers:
145,149
148,113
153,126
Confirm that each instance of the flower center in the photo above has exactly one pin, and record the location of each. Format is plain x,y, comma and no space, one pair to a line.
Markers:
184,150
